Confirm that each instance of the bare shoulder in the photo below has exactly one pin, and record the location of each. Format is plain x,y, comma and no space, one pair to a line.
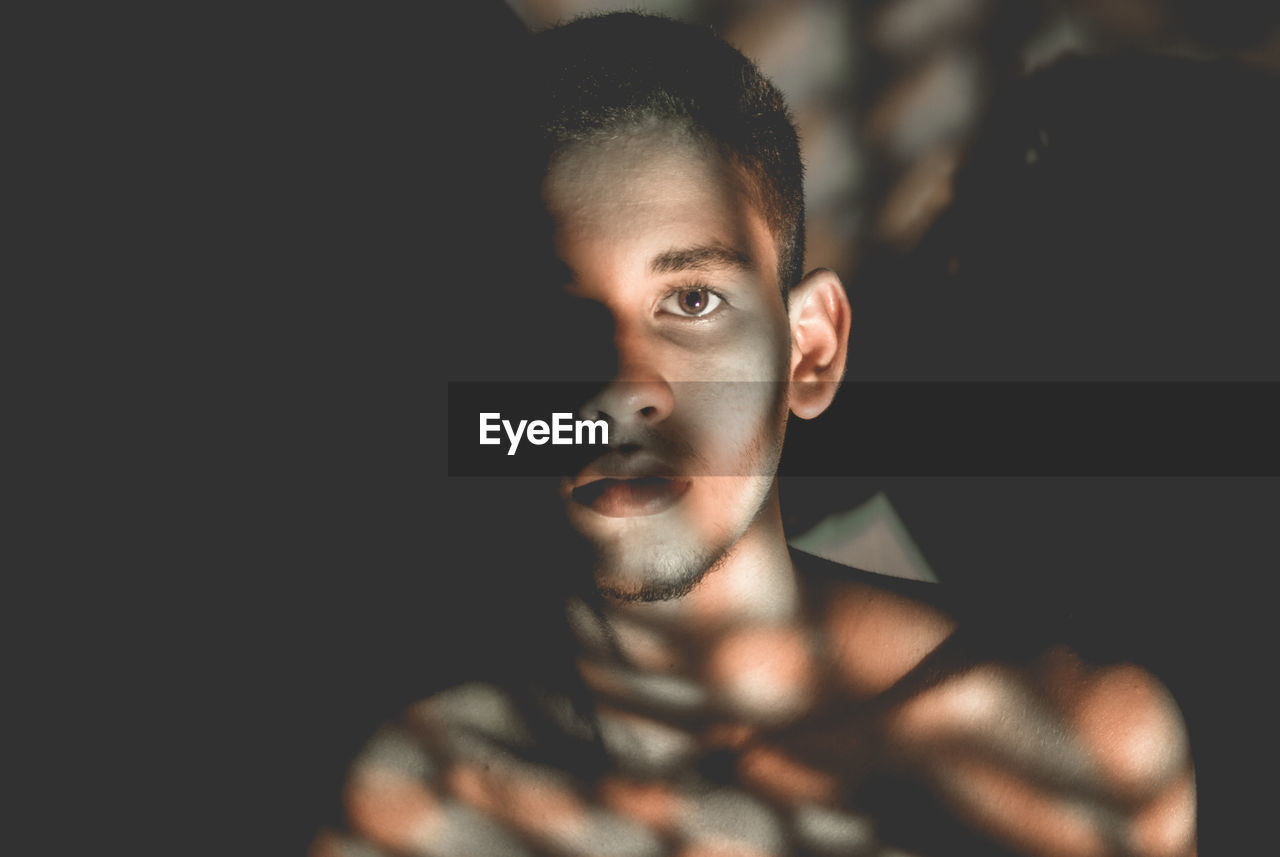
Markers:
1056,755
1041,750
1121,714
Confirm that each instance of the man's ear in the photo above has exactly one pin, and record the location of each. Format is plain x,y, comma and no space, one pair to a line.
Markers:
819,315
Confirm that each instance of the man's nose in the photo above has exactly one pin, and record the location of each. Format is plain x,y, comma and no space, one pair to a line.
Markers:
638,396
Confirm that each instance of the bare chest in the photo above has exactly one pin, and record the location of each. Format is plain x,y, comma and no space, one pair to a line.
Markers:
640,785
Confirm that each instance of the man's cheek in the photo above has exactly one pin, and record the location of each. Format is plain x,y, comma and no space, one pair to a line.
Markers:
743,346
711,508
722,507
743,426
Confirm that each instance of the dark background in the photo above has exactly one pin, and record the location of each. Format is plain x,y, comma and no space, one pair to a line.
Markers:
314,221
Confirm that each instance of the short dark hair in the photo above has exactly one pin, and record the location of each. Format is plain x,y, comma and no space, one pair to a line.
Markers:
604,73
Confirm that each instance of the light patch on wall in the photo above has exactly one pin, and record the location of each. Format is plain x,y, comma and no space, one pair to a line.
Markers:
871,537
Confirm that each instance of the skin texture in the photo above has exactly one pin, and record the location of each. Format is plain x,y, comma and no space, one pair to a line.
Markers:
742,707
702,395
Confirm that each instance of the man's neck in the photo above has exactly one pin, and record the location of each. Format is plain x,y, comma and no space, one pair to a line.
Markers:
684,652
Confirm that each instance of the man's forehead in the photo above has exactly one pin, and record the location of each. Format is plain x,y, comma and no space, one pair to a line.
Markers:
662,156
661,186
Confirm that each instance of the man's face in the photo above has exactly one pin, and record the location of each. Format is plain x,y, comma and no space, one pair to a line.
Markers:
658,229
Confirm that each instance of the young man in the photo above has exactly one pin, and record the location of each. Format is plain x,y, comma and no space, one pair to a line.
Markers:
724,694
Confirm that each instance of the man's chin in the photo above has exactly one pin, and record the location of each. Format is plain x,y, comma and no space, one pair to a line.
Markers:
654,573
666,554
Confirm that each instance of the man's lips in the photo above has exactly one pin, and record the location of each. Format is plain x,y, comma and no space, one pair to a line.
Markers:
630,497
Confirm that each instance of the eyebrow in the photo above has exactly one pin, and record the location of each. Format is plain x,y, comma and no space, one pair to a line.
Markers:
700,258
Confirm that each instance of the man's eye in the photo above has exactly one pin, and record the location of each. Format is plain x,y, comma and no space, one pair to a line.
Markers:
691,303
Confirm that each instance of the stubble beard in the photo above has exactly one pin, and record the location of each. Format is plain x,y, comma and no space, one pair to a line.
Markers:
658,575
628,573
666,572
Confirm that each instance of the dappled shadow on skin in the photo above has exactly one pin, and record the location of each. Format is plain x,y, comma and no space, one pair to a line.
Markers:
868,726
767,738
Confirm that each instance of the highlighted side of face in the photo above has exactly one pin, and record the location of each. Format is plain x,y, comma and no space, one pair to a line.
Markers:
657,228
